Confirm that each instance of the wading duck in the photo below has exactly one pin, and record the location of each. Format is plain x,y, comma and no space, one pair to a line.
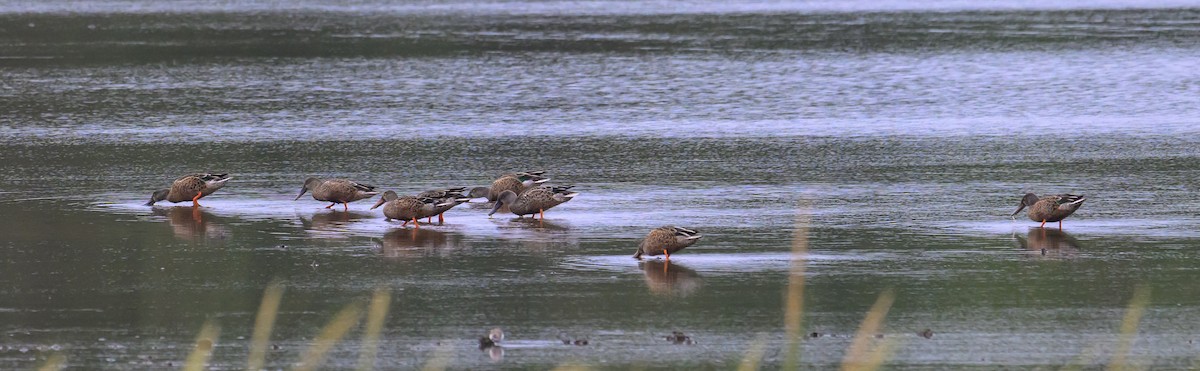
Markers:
1052,208
666,240
337,191
447,198
190,187
516,182
534,200
410,208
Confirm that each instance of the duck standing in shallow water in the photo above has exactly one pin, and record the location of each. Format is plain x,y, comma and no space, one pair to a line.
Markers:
411,208
516,182
190,187
447,198
337,191
666,240
534,200
1051,208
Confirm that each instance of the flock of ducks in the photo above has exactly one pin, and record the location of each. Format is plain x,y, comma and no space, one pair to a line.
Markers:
521,193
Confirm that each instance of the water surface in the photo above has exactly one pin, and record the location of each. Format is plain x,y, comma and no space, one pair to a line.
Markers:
906,133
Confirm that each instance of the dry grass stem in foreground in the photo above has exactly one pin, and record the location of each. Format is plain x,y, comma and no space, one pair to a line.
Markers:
205,343
858,357
1129,326
754,355
794,307
375,318
330,335
54,363
263,323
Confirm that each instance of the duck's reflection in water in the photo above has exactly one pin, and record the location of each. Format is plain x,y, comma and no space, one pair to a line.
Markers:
669,278
1049,242
538,235
330,223
401,243
192,223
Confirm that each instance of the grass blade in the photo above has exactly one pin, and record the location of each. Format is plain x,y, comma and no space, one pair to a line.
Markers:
263,324
857,357
794,304
1129,326
54,363
376,316
205,342
754,355
330,335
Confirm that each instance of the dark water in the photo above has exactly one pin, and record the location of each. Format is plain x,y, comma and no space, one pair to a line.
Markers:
906,132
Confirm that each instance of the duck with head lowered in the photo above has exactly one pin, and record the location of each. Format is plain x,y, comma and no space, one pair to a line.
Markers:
411,208
337,191
534,200
516,182
1050,208
666,240
190,187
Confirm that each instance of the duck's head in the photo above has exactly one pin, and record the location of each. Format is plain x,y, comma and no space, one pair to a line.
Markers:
157,196
1028,200
387,196
309,183
479,192
505,198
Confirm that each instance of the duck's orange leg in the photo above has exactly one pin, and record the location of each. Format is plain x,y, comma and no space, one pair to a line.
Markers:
415,224
331,205
542,213
667,254
1043,223
1060,225
405,223
195,200
441,219
346,206
429,220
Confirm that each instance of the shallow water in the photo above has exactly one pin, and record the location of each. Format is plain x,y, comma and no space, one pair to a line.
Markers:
905,132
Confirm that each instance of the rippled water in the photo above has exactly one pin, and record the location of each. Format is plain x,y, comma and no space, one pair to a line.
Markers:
906,132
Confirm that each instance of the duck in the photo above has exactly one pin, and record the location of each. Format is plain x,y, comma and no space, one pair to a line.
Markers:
516,182
666,240
534,200
449,197
337,191
410,208
1050,208
190,187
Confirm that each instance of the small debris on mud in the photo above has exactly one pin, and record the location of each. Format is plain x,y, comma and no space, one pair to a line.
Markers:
927,333
814,334
678,337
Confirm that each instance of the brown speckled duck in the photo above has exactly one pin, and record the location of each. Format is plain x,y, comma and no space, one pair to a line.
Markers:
409,208
666,240
337,191
190,187
534,200
516,182
447,199
1051,208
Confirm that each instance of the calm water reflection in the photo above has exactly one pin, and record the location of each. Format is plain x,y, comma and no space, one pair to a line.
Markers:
670,278
910,135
